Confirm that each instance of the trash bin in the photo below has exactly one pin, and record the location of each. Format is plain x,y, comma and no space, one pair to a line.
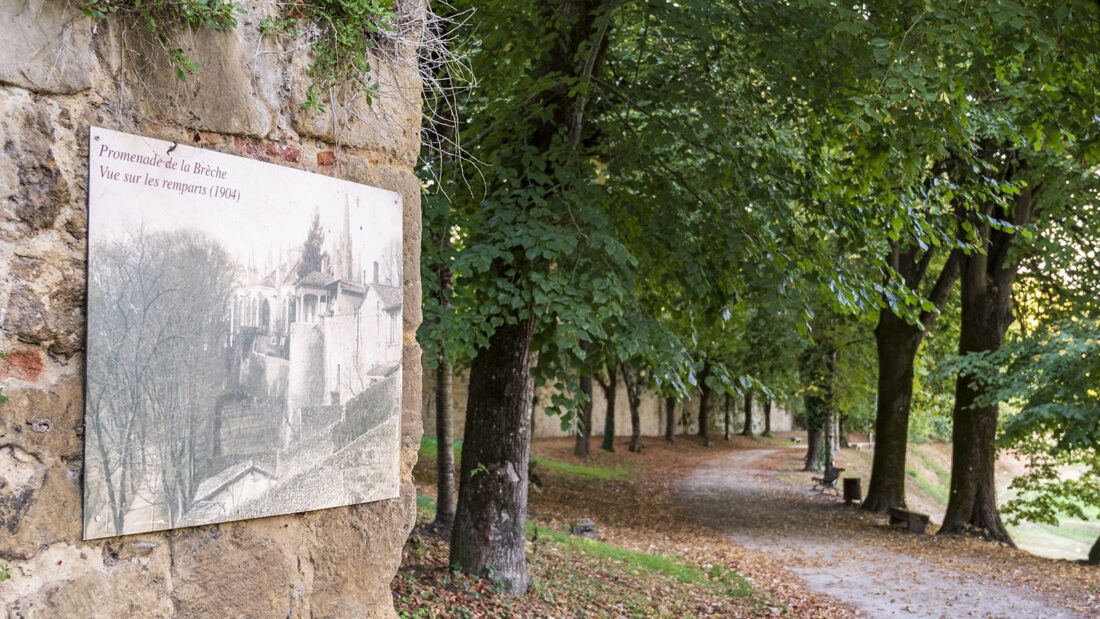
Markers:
852,491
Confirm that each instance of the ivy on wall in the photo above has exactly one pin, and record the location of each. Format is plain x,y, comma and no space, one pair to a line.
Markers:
341,33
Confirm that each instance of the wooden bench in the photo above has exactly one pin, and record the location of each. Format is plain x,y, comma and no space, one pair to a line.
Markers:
828,482
914,522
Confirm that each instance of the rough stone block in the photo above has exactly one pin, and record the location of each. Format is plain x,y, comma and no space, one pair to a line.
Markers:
220,96
48,514
52,43
386,121
369,537
45,304
230,568
36,189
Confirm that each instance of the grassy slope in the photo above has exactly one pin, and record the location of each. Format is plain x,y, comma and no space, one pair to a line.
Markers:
929,476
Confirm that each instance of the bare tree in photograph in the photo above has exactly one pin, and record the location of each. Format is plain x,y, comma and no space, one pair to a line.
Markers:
390,268
157,307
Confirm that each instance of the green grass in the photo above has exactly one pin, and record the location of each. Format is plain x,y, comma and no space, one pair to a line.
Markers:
429,449
937,488
581,470
1070,539
589,577
632,560
641,562
425,507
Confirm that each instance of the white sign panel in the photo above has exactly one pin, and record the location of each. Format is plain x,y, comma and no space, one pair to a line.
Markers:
244,338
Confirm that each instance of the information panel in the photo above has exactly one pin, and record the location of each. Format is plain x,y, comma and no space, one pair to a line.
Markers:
244,338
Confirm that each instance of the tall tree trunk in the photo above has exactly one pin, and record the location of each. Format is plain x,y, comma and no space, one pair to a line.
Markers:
747,430
487,537
704,414
897,342
815,437
634,398
987,280
704,404
768,416
584,421
445,453
726,416
817,368
828,458
670,419
611,393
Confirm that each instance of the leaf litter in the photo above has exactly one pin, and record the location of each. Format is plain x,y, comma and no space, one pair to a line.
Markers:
802,554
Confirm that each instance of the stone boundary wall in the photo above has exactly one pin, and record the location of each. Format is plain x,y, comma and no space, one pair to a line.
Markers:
61,73
651,413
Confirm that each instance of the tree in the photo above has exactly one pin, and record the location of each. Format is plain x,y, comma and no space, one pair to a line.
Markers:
817,369
1049,377
987,279
444,376
897,340
705,391
670,419
1046,59
610,387
917,96
584,422
635,382
158,305
747,430
591,149
312,258
555,57
1039,181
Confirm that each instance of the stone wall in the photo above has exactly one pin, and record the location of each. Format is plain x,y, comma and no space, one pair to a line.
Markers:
61,73
651,414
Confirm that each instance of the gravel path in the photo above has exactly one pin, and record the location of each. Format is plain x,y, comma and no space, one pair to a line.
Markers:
844,552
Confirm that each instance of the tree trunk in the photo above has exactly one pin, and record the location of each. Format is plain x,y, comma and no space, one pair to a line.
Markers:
704,404
987,280
445,453
670,419
971,505
704,414
829,454
747,430
634,398
814,439
584,421
726,416
487,539
610,392
635,429
488,535
767,416
897,343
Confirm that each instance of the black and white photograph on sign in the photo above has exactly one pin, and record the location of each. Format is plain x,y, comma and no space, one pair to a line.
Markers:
244,338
